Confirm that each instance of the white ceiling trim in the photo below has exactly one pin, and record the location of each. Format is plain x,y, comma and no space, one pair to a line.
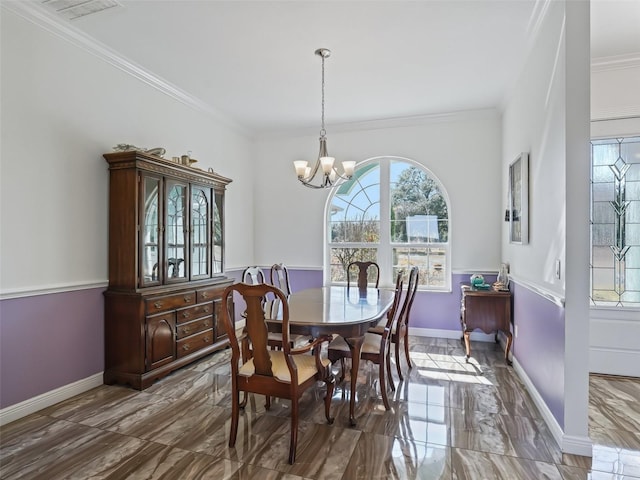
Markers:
48,21
385,123
616,62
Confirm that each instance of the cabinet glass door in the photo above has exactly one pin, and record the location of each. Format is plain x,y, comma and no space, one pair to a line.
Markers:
150,231
217,234
176,232
200,221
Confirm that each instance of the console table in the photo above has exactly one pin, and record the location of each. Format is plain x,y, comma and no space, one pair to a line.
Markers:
487,310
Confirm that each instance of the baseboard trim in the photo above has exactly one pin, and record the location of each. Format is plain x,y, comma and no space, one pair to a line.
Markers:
614,361
33,405
453,334
567,443
582,446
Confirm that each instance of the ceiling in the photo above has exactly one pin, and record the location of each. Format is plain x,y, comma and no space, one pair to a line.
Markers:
254,61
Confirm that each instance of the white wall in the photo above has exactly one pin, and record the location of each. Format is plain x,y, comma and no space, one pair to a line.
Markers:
547,116
462,150
62,108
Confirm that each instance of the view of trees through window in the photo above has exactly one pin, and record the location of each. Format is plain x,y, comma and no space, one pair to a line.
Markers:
394,213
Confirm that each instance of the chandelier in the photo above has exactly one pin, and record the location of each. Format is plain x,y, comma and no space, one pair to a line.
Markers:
323,169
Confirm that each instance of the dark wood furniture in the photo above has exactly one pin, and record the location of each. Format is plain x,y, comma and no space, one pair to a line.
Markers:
401,332
339,311
486,310
279,276
365,271
375,349
253,275
285,373
162,306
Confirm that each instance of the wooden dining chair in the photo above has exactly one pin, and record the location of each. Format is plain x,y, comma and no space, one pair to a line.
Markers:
253,275
363,269
279,277
375,348
401,331
285,373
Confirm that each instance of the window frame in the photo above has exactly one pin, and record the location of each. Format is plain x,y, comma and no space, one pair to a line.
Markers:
600,304
385,245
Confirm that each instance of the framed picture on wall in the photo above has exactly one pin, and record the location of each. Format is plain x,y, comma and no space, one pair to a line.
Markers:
519,200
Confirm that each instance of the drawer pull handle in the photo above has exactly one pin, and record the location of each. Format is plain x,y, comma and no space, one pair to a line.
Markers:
206,339
205,295
185,314
206,309
187,298
186,347
158,305
206,323
185,330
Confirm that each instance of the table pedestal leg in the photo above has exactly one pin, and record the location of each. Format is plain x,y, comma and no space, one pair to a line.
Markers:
508,349
355,345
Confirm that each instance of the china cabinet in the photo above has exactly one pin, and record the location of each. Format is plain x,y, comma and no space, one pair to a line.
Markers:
166,267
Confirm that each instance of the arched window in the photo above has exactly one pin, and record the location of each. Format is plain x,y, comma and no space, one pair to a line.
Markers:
393,212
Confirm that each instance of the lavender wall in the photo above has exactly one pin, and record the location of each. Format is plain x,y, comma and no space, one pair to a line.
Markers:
539,347
49,341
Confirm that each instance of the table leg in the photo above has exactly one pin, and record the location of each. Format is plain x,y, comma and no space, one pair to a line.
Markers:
508,349
467,343
355,345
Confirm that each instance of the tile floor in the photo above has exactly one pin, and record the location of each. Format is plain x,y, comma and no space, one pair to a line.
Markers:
449,420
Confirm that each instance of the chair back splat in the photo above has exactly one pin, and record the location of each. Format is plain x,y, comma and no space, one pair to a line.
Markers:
253,275
363,274
285,373
279,276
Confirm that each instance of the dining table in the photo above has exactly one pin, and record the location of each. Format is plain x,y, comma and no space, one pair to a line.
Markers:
334,310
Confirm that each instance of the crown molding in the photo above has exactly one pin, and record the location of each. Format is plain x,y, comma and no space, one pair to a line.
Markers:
615,112
46,20
616,62
386,123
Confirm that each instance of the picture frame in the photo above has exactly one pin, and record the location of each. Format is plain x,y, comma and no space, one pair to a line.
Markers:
518,213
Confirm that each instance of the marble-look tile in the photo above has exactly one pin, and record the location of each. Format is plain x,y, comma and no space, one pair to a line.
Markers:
105,397
419,388
493,399
384,457
576,473
605,415
472,465
68,450
448,419
323,451
252,472
602,389
410,421
499,434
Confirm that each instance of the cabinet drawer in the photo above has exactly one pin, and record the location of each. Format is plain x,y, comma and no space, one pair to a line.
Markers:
197,326
194,343
208,294
197,311
170,302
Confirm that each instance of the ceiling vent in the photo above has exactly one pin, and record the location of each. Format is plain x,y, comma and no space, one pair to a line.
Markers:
72,9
